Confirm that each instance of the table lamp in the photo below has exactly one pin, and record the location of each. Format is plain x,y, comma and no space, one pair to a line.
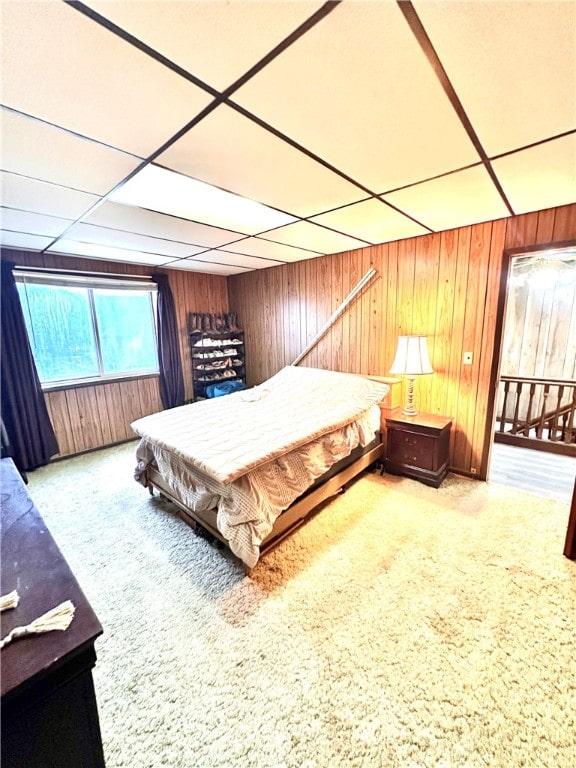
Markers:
411,360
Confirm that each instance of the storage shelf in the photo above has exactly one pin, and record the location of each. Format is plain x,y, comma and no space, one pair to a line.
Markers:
216,346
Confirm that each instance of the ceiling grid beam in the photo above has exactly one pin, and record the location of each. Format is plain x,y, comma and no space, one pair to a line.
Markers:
309,131
429,51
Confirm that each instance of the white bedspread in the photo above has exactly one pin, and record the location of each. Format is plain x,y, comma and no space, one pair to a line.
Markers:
226,437
247,508
250,454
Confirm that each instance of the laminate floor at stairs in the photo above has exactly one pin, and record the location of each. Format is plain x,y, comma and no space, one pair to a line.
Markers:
544,474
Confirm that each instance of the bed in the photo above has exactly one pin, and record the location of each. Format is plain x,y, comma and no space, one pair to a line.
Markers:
248,467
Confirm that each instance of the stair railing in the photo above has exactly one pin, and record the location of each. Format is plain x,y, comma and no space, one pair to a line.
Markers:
535,410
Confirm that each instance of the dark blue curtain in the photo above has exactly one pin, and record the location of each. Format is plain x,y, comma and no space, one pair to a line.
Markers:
171,379
24,413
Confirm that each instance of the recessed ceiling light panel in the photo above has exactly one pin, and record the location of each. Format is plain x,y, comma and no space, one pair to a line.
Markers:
169,192
96,251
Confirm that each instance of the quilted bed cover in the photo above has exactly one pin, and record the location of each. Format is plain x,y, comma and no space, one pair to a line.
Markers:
251,453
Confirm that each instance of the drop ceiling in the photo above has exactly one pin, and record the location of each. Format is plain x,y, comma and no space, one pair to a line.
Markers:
224,136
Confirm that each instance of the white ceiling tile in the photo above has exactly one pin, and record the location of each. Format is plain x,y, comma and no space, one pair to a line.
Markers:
513,65
231,151
258,246
94,251
304,234
89,233
456,200
36,149
41,197
24,241
540,177
138,220
356,90
62,67
33,223
372,221
169,192
217,41
193,265
238,259
367,100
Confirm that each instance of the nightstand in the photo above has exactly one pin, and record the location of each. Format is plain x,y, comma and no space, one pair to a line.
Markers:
418,446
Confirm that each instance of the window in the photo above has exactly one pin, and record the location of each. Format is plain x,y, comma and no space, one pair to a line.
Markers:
87,328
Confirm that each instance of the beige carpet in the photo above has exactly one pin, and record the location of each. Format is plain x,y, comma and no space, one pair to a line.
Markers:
401,626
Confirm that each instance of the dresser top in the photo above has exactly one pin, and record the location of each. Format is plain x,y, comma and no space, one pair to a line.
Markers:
33,565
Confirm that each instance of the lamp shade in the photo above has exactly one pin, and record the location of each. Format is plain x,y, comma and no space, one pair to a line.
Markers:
412,356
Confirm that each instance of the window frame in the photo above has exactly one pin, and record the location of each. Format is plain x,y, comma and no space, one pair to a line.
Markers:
90,282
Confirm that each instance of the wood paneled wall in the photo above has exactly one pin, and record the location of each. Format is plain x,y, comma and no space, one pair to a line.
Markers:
90,417
540,328
443,285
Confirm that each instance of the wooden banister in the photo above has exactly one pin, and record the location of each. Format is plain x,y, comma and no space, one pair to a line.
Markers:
537,410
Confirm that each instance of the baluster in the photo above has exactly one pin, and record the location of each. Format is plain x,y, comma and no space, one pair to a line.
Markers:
516,407
541,423
529,413
554,431
504,404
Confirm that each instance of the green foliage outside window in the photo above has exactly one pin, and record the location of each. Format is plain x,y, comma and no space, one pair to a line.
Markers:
80,333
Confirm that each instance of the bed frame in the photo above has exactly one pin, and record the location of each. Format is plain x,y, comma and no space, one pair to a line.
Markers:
326,486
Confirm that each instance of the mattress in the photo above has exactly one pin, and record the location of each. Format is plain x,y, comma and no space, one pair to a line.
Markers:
225,437
282,454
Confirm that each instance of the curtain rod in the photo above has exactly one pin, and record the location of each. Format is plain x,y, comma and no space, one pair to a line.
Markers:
80,272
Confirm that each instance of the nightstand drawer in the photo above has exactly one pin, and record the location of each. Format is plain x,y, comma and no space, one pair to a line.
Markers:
409,448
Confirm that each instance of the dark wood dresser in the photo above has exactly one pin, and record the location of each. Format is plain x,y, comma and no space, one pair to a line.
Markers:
418,446
49,711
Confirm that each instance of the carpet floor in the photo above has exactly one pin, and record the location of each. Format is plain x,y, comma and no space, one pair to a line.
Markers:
402,626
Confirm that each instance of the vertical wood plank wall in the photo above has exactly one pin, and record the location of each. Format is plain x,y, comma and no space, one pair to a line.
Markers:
90,417
540,329
443,285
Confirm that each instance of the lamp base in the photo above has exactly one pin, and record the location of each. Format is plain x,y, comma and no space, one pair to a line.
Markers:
409,409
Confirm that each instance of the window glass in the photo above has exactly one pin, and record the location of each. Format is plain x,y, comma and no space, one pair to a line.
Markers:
126,332
60,330
88,332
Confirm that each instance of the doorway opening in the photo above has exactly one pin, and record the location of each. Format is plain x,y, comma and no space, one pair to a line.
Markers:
535,411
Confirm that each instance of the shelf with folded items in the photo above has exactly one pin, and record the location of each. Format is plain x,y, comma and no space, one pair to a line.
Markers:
217,353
